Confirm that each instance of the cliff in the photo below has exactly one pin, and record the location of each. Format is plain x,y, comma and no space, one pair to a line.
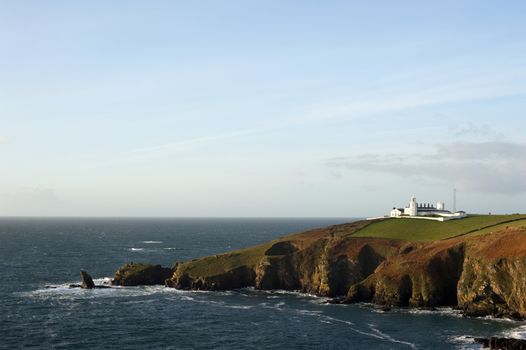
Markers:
482,275
482,271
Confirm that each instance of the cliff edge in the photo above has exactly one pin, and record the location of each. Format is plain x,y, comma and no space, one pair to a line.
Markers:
478,265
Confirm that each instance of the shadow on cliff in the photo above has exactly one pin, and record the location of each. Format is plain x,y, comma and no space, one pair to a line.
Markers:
482,275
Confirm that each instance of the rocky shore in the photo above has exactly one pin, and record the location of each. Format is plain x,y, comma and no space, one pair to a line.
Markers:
502,343
480,275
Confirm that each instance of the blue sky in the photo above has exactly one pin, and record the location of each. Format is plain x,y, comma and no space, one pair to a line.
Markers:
260,108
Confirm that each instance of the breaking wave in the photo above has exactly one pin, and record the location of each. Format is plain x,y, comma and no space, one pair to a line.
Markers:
517,333
464,342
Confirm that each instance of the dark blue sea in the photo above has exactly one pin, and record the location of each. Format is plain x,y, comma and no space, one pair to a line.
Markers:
36,252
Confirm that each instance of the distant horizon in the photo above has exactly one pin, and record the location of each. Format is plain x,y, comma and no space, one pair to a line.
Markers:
224,217
182,217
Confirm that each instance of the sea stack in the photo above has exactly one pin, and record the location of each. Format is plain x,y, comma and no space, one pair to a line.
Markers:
87,281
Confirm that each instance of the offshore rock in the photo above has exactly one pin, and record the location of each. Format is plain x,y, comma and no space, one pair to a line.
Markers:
87,281
136,274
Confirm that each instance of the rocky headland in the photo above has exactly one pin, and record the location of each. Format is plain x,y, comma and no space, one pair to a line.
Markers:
481,270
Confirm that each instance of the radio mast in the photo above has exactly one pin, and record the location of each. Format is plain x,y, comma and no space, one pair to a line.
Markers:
454,200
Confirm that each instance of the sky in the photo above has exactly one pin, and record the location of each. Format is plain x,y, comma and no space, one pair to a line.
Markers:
261,108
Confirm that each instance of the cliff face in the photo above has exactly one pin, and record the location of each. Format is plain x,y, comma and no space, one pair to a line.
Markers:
422,277
323,262
482,275
134,274
494,276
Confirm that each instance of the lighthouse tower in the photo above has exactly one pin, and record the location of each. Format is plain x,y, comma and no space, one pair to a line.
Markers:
413,211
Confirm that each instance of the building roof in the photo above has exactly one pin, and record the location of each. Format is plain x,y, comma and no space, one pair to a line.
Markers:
434,210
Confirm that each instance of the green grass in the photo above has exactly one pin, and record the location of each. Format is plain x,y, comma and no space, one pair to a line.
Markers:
512,224
217,264
427,230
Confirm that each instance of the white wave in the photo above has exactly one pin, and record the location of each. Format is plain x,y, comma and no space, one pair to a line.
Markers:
338,320
309,312
465,342
275,293
376,333
275,306
242,307
320,301
499,319
136,249
389,338
64,291
517,333
295,293
103,281
464,339
444,311
152,242
214,302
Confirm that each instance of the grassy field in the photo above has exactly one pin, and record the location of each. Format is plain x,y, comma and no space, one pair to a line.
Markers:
404,229
516,223
427,230
217,264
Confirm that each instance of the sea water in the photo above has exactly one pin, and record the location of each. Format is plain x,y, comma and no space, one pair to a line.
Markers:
37,253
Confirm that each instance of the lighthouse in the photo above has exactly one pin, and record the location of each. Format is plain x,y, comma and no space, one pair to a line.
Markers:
426,211
413,207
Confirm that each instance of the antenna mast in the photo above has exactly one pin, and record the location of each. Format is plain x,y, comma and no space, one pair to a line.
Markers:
454,200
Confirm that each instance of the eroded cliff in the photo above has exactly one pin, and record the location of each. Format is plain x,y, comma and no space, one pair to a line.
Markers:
482,275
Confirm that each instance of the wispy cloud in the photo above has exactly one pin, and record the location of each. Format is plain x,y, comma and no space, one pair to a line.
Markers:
188,143
473,130
488,167
171,148
393,98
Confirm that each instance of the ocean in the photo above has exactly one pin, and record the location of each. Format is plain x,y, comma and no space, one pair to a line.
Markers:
38,252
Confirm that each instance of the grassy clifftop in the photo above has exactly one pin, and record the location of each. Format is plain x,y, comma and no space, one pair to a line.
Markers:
342,239
221,263
477,263
428,230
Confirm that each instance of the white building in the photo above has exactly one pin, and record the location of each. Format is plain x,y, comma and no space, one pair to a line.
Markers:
426,211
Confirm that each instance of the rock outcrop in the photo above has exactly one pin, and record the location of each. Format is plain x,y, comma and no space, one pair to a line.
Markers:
87,281
502,343
134,274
